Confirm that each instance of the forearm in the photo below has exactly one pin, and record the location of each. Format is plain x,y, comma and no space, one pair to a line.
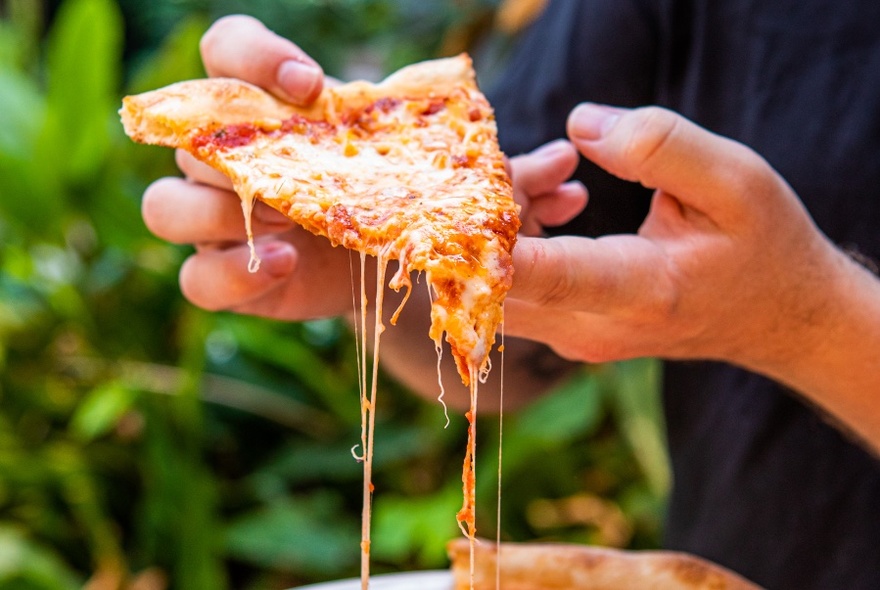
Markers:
837,360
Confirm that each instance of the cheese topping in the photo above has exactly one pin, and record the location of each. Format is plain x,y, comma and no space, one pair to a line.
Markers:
417,160
407,170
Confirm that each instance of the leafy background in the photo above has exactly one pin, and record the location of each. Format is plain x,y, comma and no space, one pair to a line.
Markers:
145,444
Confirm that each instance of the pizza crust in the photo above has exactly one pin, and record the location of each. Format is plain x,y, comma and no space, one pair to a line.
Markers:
549,566
165,115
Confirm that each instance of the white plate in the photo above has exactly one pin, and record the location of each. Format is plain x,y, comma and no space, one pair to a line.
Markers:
431,580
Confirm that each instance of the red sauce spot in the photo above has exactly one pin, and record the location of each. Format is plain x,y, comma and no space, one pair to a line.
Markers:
385,104
460,161
232,136
227,137
434,107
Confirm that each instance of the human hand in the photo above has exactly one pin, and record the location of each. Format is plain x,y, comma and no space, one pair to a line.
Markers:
201,208
539,186
727,265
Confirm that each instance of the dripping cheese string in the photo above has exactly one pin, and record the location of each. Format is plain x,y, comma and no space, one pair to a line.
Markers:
467,516
370,415
438,346
500,448
247,207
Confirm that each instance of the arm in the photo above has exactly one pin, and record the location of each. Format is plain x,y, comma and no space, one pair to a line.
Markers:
728,265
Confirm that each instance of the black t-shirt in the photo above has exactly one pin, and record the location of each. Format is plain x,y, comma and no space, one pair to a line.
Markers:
762,483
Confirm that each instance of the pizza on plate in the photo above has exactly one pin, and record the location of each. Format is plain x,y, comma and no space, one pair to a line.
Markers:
408,169
557,566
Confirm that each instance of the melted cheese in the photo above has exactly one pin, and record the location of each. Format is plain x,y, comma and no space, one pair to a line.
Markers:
419,180
386,190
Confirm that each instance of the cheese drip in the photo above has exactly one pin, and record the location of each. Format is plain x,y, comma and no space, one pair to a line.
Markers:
247,208
368,404
467,516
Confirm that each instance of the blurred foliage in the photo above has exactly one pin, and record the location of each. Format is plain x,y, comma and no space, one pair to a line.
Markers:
146,444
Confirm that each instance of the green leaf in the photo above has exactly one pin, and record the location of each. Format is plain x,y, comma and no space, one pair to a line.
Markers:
24,564
417,527
28,187
307,534
637,409
22,112
101,410
572,410
177,59
83,62
307,368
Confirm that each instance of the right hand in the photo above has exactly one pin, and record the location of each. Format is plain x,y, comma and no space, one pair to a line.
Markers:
301,275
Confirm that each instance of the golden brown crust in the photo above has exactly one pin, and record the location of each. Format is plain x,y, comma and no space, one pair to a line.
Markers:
547,566
162,116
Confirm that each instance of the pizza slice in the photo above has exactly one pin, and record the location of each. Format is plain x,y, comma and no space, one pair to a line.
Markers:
408,169
557,566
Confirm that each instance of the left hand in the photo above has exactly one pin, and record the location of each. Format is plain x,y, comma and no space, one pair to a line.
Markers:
727,265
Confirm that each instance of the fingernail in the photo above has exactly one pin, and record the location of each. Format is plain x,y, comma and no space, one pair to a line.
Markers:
553,149
590,121
299,80
276,258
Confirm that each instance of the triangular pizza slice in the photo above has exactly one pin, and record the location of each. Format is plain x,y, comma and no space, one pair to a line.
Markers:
408,169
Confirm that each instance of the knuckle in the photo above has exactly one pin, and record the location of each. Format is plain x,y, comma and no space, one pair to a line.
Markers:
223,29
556,287
650,131
752,174
661,307
556,291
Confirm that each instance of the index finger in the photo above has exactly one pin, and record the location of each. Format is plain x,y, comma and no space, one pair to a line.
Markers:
623,274
661,149
242,47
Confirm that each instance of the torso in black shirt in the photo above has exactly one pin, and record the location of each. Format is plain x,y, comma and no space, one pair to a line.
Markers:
762,483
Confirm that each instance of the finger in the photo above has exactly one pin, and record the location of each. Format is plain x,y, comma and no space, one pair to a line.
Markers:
545,168
220,280
184,212
198,171
660,149
560,205
564,331
625,274
242,47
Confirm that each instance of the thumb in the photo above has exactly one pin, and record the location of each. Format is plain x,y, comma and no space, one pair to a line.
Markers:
663,150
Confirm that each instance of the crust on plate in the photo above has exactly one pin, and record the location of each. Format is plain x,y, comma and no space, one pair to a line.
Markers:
549,566
163,116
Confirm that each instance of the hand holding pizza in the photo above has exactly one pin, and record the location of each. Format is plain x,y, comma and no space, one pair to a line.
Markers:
202,209
728,265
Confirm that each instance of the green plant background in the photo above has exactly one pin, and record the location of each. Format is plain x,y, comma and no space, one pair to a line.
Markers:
146,444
